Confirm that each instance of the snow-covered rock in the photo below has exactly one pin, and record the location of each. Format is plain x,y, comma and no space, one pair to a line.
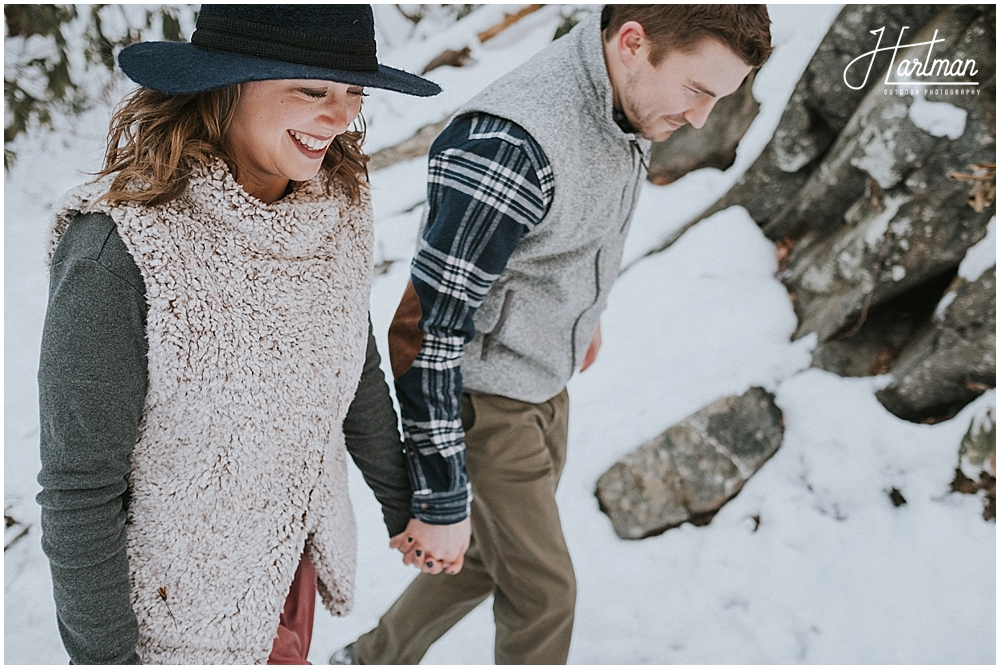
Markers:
953,360
687,473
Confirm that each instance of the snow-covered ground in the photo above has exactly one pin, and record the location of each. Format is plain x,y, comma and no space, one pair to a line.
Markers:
833,574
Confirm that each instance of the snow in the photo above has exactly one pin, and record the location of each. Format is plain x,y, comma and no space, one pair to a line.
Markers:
982,255
877,226
941,119
979,258
942,306
833,574
878,146
398,117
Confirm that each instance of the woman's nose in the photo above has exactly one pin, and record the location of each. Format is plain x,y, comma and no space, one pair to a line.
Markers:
338,114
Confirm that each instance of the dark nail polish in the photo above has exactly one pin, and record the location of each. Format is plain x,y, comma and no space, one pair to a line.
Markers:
430,564
419,553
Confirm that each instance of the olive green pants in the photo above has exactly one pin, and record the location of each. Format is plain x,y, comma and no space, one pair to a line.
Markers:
515,452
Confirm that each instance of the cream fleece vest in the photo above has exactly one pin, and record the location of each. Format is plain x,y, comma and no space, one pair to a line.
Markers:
257,331
538,318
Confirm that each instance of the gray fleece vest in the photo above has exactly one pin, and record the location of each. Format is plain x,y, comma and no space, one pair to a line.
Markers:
537,321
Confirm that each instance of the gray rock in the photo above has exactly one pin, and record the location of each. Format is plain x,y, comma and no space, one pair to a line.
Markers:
875,347
880,215
952,361
690,471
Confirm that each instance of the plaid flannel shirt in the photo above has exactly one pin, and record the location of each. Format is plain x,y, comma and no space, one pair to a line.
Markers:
488,184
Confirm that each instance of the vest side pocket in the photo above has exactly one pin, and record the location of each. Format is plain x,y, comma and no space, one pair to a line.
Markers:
508,298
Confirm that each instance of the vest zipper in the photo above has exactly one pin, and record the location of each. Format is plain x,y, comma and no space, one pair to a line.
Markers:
636,150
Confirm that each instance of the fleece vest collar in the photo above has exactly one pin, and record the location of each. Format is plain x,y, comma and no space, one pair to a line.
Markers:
257,333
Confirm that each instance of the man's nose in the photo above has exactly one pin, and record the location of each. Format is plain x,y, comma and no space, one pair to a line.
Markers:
698,114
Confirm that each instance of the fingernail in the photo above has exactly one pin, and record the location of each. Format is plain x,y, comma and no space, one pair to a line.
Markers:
430,564
419,553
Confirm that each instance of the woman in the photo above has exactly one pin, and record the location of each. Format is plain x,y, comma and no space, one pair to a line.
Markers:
206,334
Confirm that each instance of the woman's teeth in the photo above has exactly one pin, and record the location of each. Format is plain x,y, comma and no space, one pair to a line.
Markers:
309,142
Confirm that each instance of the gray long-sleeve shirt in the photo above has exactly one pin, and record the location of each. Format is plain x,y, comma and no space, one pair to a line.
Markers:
92,386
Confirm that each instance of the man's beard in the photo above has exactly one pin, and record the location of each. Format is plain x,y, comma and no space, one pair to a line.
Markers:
646,126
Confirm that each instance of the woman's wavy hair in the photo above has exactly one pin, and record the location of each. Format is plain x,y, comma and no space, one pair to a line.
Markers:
156,139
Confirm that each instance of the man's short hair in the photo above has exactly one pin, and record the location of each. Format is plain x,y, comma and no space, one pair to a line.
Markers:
744,29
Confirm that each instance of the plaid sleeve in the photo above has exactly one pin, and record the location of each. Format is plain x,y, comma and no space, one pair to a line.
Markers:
488,184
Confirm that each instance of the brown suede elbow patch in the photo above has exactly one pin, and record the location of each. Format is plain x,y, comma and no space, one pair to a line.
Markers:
405,337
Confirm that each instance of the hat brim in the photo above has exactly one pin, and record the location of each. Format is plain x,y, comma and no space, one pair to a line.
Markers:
178,68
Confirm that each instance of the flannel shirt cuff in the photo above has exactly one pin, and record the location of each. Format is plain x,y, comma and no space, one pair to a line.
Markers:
442,508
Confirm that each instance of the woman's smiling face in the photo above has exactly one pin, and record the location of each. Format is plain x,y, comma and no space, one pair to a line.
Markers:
281,130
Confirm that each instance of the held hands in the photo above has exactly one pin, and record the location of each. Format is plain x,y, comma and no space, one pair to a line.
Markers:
434,548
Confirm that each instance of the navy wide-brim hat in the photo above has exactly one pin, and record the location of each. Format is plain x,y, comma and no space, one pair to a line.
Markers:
236,44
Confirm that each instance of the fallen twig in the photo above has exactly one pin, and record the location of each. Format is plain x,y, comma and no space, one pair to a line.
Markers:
449,57
414,147
9,524
507,22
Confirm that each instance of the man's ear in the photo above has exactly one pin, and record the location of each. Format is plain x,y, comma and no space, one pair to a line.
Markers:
630,40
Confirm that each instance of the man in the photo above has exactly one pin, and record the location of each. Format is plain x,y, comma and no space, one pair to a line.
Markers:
530,192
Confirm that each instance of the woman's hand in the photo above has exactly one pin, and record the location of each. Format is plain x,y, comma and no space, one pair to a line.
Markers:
434,548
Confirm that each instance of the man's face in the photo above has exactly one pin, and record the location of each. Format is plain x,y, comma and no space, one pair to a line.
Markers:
683,88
